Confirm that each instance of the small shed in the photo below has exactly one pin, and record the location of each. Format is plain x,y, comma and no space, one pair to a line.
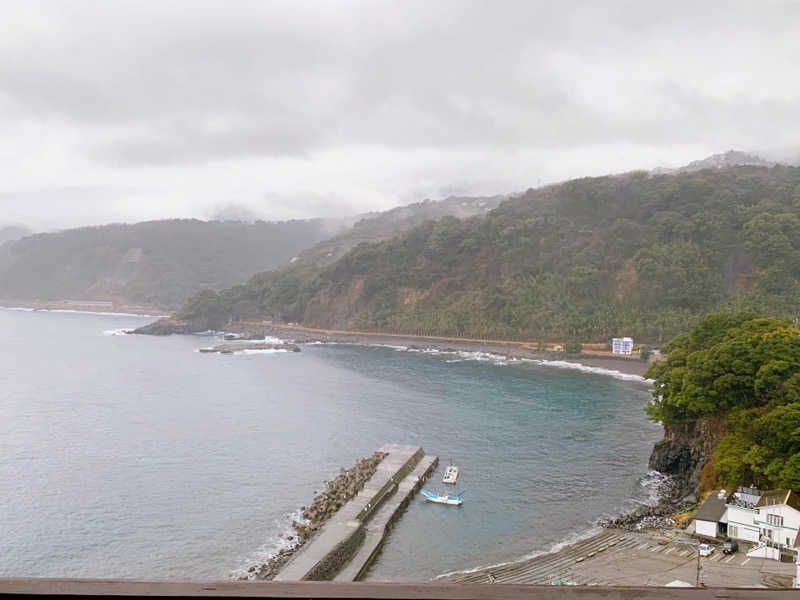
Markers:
708,522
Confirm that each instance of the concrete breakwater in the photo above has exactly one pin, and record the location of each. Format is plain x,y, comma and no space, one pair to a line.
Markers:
325,504
348,542
232,348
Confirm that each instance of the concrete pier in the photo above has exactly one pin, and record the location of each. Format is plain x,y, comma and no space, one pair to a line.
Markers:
346,545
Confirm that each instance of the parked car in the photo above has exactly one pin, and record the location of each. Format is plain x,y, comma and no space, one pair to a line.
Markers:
705,549
730,547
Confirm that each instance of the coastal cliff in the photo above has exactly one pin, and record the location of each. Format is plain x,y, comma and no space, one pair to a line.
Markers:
684,454
728,396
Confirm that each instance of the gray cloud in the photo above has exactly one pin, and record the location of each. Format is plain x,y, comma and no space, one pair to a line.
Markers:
352,106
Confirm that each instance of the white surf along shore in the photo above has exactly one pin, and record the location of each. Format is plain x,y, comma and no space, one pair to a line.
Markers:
501,359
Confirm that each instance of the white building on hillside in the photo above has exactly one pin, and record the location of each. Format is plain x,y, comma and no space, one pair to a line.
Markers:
622,345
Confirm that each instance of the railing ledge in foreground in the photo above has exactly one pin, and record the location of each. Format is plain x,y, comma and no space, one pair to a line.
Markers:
131,588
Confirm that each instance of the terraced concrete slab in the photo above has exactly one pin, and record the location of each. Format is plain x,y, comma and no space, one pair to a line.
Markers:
400,461
378,525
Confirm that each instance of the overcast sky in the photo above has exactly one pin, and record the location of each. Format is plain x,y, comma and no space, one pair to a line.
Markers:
123,111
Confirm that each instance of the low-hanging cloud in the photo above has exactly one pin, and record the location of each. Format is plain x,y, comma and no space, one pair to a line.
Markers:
364,103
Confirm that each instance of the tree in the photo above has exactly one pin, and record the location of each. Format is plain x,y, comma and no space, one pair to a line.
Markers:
747,370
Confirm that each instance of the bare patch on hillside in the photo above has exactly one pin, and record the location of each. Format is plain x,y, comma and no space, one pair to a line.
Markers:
626,281
409,297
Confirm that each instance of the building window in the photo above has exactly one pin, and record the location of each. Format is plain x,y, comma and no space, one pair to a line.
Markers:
733,531
788,543
776,520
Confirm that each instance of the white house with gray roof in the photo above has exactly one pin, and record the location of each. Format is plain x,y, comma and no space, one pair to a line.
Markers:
766,519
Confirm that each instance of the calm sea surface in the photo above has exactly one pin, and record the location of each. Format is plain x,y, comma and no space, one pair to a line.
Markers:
136,456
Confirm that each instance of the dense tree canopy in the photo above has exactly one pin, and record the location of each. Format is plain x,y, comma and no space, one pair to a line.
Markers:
747,369
636,254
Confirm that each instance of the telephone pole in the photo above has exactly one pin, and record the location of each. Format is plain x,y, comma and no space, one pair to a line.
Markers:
697,579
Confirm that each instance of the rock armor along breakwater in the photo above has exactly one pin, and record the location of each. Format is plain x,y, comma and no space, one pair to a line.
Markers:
342,537
324,505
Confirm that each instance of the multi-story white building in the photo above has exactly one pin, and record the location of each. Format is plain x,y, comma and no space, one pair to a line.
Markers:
622,345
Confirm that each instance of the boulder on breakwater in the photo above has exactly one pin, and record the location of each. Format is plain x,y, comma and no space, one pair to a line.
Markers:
337,492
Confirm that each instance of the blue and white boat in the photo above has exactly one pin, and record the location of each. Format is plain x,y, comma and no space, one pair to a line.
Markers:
443,498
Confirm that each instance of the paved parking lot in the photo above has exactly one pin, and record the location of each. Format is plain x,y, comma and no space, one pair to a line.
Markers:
619,558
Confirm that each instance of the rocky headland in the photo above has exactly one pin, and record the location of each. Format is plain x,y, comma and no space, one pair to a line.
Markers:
683,455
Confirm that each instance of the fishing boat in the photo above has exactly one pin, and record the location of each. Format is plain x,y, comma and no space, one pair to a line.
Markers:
443,498
450,475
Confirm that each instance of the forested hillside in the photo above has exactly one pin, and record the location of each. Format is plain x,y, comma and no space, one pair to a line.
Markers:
638,254
728,395
377,226
162,263
159,263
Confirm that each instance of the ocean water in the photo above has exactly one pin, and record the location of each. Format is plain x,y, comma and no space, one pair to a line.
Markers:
137,456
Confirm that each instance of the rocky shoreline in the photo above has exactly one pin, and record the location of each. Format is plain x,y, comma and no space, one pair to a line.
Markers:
672,500
325,504
603,363
509,350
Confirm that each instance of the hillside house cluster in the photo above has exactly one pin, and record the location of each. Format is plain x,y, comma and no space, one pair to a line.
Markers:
769,520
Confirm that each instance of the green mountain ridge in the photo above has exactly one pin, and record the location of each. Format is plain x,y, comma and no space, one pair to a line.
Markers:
377,226
163,263
635,254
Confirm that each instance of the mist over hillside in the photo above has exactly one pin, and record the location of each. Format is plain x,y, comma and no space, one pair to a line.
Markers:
731,158
162,263
637,254
376,226
156,263
9,233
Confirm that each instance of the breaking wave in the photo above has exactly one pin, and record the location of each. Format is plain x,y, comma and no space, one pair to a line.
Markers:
563,364
502,360
274,544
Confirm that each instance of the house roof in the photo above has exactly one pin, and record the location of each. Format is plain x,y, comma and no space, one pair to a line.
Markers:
713,508
774,497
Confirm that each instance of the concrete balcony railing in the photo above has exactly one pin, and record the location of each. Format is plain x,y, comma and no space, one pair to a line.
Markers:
109,588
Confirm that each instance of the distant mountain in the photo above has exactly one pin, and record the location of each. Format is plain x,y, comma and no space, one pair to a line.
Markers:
9,233
155,263
162,263
638,254
731,158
